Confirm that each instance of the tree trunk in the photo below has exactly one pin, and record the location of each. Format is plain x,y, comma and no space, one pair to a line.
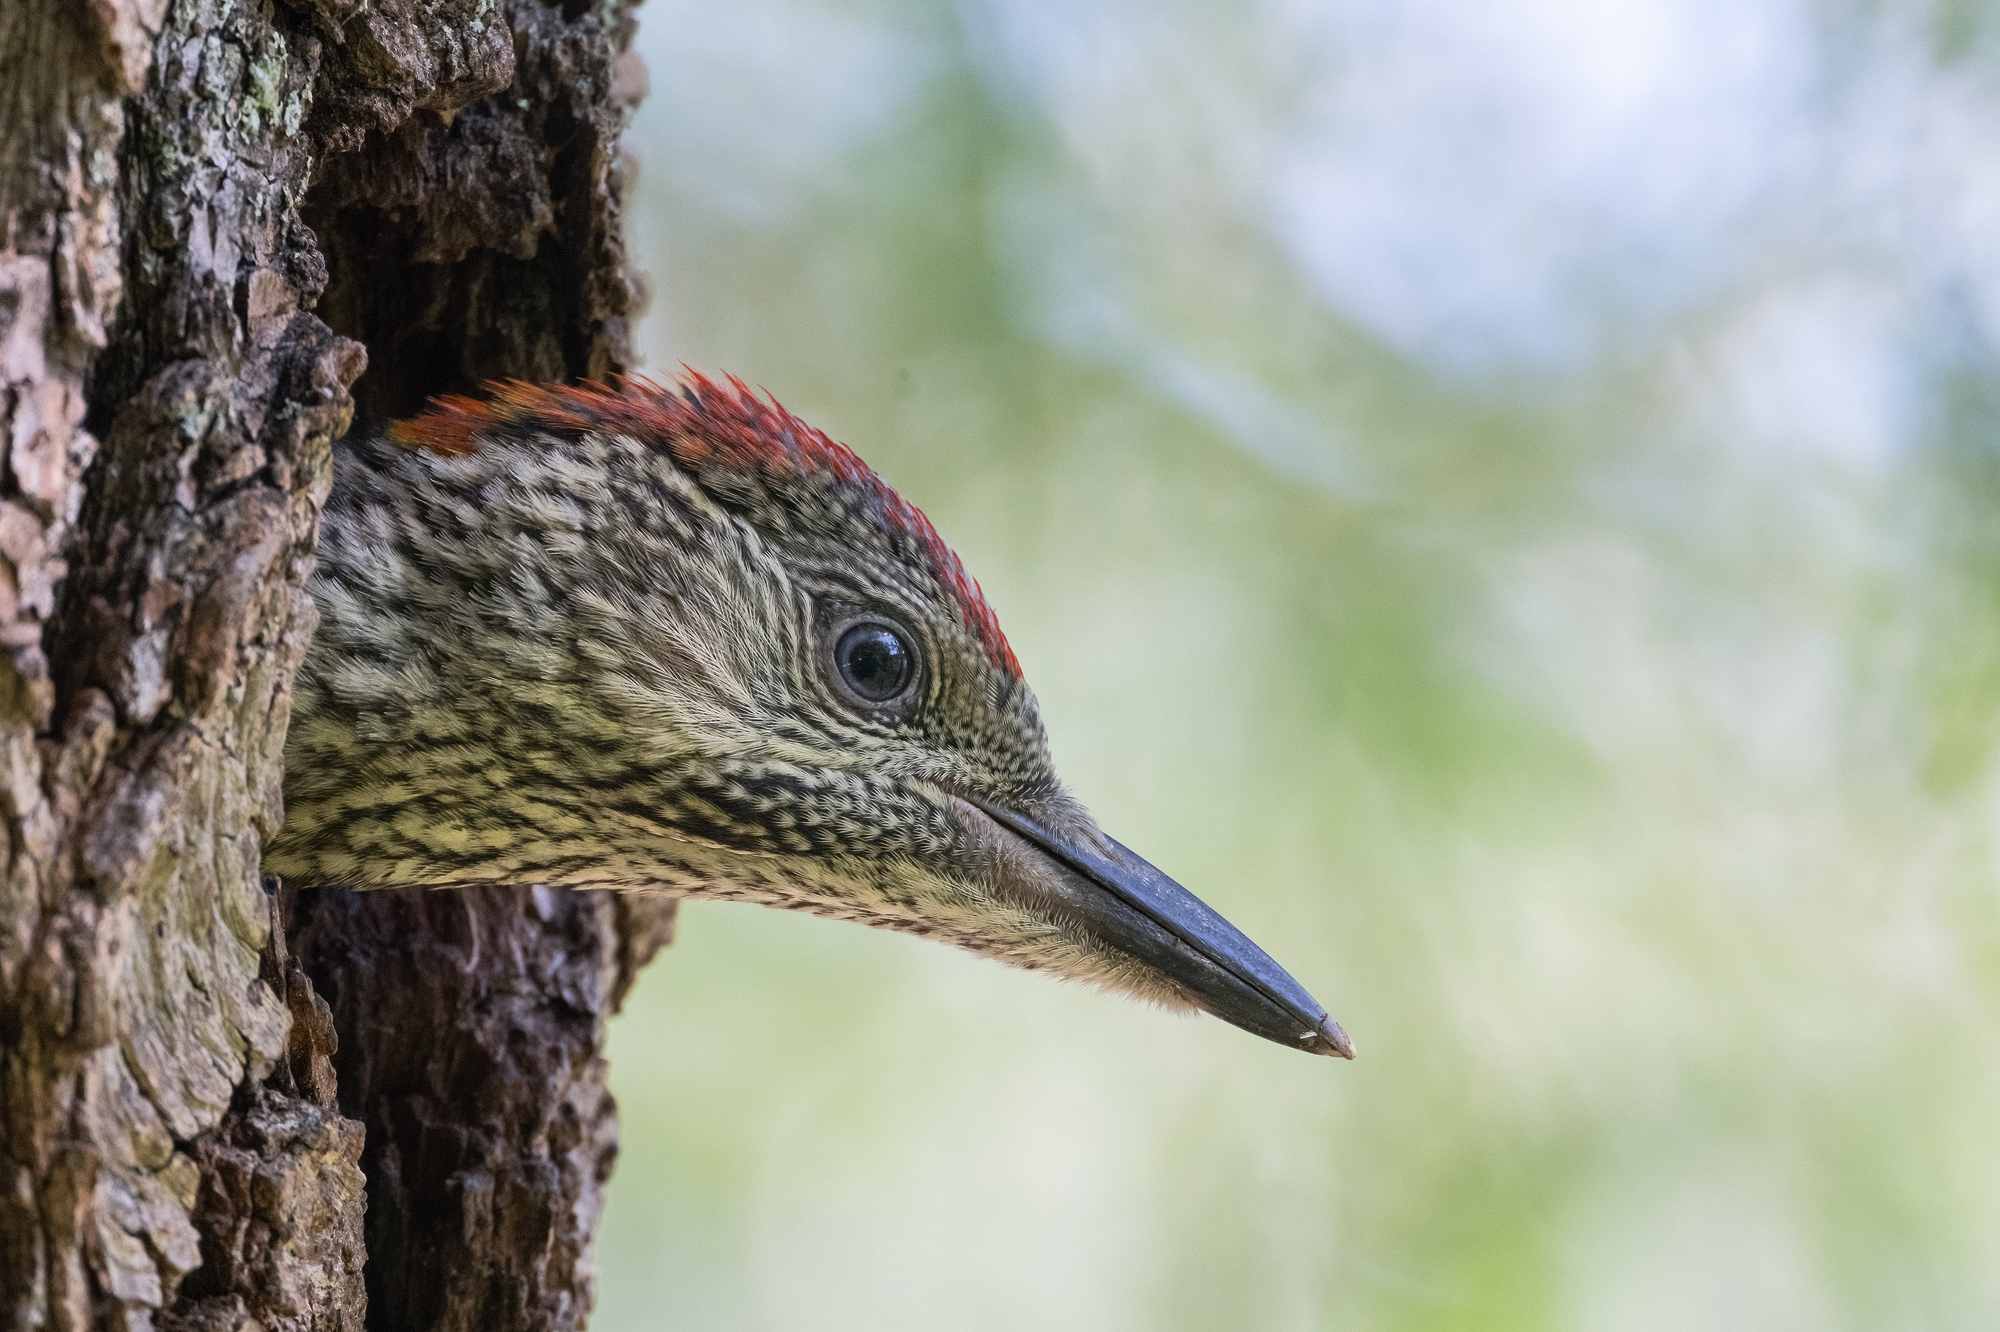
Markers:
188,1130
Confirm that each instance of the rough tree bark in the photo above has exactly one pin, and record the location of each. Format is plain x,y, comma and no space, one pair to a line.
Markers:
217,213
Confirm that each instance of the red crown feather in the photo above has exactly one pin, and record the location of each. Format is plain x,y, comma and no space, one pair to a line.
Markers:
702,424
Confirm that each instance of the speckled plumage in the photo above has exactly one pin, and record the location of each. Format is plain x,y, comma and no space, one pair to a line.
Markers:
579,637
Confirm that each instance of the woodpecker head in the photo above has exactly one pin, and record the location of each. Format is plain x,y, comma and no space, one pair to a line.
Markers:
676,639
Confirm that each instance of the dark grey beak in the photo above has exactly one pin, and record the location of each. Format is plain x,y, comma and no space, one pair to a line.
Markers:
1143,912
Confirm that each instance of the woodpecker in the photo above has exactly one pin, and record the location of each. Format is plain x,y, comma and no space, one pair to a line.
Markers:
674,639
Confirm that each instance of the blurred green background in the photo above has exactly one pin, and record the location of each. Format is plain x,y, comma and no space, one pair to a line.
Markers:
1503,501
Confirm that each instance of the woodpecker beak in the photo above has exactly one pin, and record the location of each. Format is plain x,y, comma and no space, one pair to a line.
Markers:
1138,910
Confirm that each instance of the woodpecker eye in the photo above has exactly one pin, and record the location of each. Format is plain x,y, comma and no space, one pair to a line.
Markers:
874,662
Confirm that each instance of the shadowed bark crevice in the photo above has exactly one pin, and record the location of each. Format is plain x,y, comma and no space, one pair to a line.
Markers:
500,222
472,1023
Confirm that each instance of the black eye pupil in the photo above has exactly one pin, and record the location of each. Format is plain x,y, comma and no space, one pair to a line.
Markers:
874,661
